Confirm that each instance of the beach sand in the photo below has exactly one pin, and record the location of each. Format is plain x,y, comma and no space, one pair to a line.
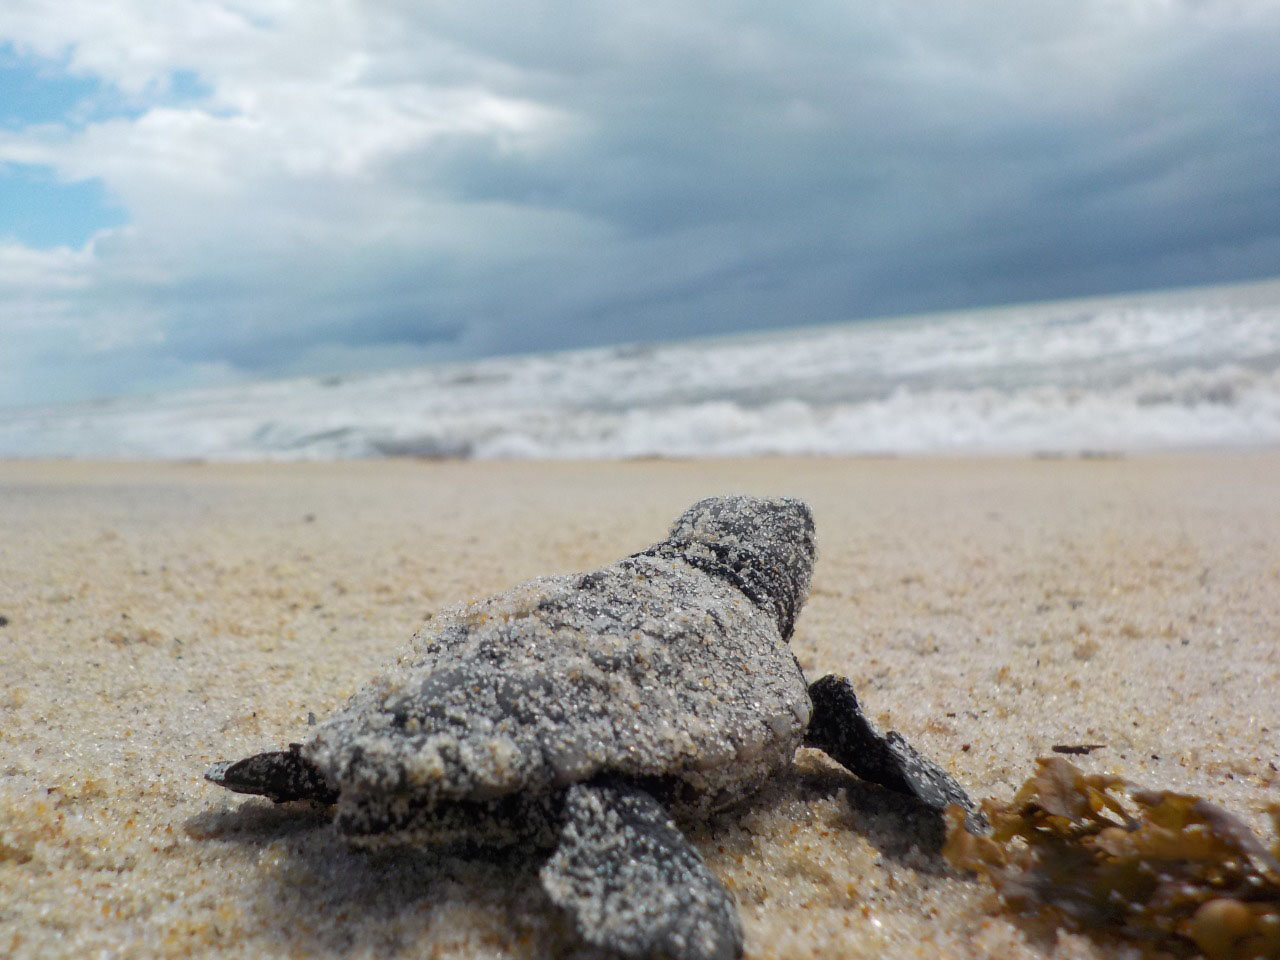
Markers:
162,616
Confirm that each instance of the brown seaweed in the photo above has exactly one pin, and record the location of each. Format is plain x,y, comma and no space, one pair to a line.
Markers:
1099,856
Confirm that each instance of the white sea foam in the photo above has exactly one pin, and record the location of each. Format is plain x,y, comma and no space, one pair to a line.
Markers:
1192,368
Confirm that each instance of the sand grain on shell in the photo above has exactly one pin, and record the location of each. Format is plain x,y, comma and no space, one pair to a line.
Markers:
161,617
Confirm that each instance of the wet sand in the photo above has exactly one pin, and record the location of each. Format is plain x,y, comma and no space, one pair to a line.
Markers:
162,616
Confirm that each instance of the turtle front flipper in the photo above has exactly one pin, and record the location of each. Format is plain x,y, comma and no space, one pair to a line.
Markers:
839,728
633,883
279,775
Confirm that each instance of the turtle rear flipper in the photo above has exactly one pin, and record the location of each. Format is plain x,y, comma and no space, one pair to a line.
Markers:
633,883
839,728
279,775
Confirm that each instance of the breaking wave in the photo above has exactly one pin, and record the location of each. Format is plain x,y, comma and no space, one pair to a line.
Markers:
1185,369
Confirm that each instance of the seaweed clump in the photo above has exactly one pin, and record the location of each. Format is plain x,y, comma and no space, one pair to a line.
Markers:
1167,869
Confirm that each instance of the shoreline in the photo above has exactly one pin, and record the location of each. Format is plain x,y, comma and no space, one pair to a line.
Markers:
162,615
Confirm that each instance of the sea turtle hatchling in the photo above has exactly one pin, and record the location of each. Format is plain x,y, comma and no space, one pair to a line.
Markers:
591,713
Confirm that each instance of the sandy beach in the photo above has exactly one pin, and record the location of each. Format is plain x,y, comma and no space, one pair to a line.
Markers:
157,617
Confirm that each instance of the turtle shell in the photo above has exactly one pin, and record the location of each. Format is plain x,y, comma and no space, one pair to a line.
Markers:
652,669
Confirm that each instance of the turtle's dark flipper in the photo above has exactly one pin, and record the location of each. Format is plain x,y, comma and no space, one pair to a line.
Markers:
839,728
632,882
280,775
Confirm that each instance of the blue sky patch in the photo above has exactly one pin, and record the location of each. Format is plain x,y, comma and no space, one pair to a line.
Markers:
36,90
186,85
39,91
38,210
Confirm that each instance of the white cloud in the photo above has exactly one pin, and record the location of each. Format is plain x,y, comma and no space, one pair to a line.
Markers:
385,180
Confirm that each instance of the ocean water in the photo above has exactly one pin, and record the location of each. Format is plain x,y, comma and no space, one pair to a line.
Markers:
1195,368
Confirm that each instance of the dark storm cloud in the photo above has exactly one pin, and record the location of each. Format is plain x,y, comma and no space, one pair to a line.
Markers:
900,162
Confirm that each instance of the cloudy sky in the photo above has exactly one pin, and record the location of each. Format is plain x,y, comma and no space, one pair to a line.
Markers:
198,192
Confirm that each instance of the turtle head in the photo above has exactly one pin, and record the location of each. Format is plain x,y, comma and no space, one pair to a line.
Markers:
764,546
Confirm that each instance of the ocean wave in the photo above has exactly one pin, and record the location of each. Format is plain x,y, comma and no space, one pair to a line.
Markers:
1167,371
1229,406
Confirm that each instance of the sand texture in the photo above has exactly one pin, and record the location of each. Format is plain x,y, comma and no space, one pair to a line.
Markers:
160,617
